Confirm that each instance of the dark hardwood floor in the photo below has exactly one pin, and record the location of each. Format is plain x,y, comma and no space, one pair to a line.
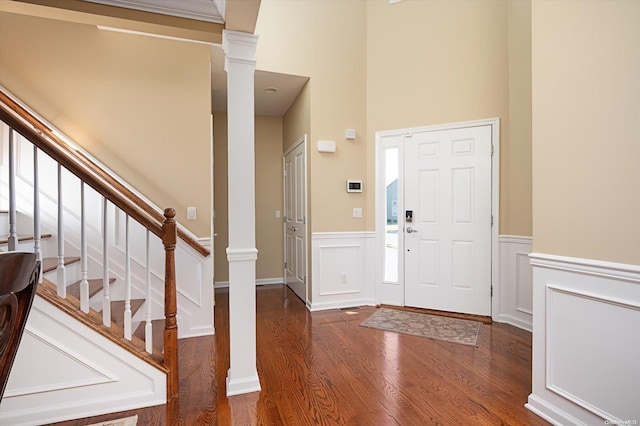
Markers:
322,368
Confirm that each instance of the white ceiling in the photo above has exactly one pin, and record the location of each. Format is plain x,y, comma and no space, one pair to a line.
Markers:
272,104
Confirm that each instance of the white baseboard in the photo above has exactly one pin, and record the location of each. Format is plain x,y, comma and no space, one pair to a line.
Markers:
515,292
586,361
259,281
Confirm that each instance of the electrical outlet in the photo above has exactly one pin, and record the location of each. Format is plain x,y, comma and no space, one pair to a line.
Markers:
357,212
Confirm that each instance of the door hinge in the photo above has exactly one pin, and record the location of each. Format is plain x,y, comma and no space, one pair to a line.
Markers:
492,220
284,172
492,150
285,265
491,291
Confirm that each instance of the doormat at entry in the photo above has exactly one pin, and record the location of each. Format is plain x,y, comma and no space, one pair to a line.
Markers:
454,330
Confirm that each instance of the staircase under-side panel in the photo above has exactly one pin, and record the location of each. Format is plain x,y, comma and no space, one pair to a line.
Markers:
109,309
64,367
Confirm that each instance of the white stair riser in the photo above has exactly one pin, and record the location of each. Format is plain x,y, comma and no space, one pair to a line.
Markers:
72,274
4,223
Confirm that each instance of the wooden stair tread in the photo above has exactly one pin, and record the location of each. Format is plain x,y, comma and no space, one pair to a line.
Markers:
71,306
117,310
21,238
95,285
51,263
157,333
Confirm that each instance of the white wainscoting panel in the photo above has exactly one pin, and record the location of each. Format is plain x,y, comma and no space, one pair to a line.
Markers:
64,370
194,284
515,294
343,269
586,341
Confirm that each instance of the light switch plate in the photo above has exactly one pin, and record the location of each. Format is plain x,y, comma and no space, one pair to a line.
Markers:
357,212
191,213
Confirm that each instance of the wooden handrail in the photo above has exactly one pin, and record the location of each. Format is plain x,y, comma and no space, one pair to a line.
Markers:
170,311
39,134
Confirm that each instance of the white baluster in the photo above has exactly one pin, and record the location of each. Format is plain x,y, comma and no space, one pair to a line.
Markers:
62,286
148,328
127,299
84,283
106,291
37,234
13,233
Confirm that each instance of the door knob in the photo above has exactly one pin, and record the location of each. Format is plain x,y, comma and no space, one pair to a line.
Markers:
293,228
410,230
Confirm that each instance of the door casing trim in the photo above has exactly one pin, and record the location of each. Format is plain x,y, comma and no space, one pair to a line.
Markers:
302,141
380,187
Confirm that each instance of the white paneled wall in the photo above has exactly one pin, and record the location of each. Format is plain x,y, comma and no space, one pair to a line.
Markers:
343,269
515,304
586,341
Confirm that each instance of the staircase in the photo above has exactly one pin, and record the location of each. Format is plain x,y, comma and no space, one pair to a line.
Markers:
108,256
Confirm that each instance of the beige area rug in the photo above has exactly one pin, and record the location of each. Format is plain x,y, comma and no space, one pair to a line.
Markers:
452,330
127,421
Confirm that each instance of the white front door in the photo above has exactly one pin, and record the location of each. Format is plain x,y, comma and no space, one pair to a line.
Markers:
447,220
295,210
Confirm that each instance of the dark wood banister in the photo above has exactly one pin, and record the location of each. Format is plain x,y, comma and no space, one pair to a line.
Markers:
87,170
170,312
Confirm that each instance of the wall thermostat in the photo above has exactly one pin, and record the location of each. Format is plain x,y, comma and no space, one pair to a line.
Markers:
354,185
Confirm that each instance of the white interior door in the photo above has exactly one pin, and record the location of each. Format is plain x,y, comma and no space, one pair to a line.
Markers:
447,220
295,208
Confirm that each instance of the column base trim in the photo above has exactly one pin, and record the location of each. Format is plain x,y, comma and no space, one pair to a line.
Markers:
243,385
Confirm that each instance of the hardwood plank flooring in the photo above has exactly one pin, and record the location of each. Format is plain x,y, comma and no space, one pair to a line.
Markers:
322,368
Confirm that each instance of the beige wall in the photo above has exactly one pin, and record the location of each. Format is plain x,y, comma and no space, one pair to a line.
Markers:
131,101
421,63
436,62
586,129
297,121
516,197
269,229
325,40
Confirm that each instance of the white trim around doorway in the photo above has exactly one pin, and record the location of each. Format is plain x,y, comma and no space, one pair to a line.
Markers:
393,293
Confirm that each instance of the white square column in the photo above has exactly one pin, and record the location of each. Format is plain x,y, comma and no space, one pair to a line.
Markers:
239,49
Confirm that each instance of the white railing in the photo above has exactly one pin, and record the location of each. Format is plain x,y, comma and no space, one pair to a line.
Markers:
74,237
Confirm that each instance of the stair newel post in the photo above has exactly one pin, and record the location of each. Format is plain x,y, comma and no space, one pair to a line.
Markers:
148,328
84,283
169,232
127,298
60,271
13,229
37,234
106,291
